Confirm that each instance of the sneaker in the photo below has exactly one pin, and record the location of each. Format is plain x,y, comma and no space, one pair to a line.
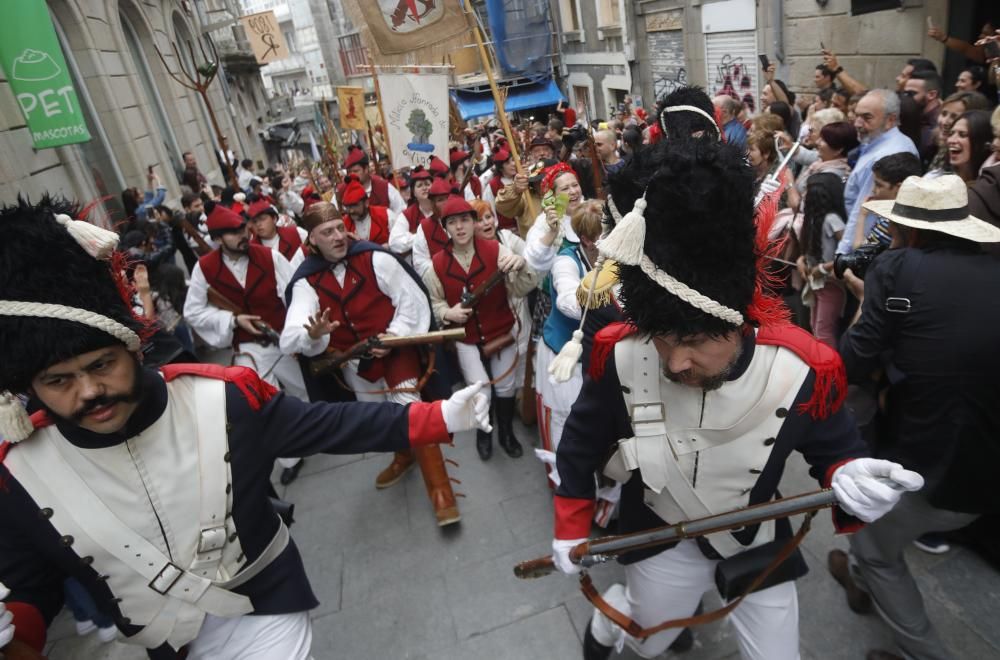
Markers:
932,543
84,628
108,634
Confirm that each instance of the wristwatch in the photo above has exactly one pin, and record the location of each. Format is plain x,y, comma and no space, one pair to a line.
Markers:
839,70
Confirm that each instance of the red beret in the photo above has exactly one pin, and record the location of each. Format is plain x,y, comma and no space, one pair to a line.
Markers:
501,156
438,167
221,219
457,156
418,173
440,187
353,193
455,205
355,156
259,207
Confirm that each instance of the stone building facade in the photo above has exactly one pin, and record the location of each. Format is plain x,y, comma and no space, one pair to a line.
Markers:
137,115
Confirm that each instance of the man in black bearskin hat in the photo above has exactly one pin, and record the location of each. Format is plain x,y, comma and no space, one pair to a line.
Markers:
705,389
150,487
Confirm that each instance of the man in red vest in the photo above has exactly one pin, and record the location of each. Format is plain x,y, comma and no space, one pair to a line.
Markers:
378,189
489,350
349,291
252,277
505,169
460,165
365,221
286,240
431,237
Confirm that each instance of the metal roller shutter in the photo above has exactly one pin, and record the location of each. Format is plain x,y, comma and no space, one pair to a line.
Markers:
732,66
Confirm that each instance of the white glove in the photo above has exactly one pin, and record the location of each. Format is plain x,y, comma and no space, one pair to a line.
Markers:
6,619
768,186
865,488
467,409
560,555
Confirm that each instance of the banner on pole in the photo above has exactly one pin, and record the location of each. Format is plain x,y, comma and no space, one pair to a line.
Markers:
404,26
33,62
266,40
416,109
352,108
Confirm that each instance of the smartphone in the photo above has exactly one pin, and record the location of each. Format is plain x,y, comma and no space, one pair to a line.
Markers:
764,62
149,169
822,46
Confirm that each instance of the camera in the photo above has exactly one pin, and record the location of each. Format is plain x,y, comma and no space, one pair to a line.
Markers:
574,134
858,261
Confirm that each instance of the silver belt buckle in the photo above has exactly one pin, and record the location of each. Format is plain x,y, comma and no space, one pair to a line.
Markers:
897,305
166,578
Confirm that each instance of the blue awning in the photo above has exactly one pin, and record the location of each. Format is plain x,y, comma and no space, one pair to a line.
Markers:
522,97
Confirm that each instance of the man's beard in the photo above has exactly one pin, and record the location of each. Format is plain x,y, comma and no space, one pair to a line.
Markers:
706,383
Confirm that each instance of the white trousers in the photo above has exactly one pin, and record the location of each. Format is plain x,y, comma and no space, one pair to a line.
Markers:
670,586
473,370
275,637
286,374
364,389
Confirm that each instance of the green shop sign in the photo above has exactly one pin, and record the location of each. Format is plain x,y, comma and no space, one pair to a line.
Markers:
36,70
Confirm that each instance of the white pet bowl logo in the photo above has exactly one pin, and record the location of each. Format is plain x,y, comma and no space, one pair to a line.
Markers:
34,66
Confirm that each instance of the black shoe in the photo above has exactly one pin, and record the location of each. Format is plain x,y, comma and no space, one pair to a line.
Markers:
288,475
484,444
684,641
505,427
592,649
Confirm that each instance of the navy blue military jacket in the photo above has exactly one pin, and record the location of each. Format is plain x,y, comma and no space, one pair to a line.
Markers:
599,419
34,562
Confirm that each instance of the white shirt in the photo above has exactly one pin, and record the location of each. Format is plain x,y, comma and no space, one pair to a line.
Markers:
421,252
566,281
243,177
213,324
297,258
540,256
488,195
400,238
413,314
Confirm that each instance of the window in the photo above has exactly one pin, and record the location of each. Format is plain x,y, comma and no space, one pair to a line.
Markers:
569,12
581,97
608,13
290,41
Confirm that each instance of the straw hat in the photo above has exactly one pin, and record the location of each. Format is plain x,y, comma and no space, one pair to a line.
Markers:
940,204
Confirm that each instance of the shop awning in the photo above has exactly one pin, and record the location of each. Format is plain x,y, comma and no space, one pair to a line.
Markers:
522,97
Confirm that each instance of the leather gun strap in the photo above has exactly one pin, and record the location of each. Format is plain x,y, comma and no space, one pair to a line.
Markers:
637,631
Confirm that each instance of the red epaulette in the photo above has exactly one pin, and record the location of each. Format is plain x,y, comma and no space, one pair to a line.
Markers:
257,391
604,343
830,389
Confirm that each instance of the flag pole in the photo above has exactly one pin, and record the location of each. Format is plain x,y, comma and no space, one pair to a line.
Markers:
504,122
385,126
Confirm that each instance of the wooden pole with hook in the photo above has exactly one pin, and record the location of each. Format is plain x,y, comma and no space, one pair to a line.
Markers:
498,100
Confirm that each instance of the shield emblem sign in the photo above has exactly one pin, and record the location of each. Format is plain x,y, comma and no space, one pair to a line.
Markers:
404,16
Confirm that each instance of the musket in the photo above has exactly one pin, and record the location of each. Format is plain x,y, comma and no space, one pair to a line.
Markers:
777,173
471,298
332,359
269,336
604,549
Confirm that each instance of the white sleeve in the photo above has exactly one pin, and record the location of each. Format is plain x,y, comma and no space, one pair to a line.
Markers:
283,272
489,197
396,203
538,255
400,238
212,324
565,281
413,314
297,258
295,338
421,253
513,241
435,289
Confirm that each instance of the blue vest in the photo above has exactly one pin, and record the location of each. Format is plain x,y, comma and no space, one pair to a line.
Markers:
558,328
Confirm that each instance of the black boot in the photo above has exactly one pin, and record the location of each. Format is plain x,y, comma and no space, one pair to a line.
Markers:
505,427
288,475
592,649
484,444
684,641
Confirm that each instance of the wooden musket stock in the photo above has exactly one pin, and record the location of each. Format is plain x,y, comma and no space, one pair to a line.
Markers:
332,359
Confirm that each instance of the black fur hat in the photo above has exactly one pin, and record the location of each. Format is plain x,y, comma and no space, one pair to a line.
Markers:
681,124
41,262
699,229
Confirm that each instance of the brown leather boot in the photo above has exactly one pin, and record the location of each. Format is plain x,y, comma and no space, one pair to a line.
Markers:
438,484
857,599
402,463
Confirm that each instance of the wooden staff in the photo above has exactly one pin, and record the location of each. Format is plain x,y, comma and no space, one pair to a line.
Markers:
484,56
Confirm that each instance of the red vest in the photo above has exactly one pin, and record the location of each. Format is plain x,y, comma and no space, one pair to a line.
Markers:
260,296
379,232
413,216
503,221
491,317
289,242
434,233
380,192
